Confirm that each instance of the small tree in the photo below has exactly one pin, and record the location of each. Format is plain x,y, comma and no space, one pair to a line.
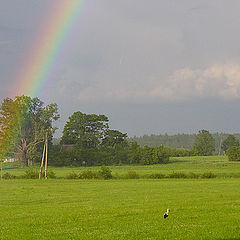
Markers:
204,144
233,153
230,141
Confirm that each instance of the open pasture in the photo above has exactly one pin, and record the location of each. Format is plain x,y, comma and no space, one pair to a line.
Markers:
120,209
219,165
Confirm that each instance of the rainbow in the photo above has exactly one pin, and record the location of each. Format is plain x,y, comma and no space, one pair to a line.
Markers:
50,41
43,55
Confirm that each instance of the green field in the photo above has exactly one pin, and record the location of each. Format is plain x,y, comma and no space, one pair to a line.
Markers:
218,165
125,209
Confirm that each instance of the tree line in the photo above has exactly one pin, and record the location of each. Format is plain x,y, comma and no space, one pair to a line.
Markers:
86,139
183,141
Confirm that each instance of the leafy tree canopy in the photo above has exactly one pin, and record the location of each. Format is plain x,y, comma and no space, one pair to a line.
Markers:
86,130
23,124
230,141
113,137
204,144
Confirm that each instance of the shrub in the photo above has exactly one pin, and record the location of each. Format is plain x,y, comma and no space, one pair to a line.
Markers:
236,175
193,175
105,173
8,176
72,175
31,174
208,175
157,175
177,175
88,174
131,175
233,153
51,174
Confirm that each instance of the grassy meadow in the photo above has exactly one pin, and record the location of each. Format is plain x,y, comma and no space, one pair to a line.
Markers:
219,165
125,208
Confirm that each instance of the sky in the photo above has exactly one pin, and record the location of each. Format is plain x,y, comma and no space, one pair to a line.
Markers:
152,67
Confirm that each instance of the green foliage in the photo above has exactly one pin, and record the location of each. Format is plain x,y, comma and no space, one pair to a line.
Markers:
105,173
88,174
86,130
208,175
72,175
157,176
179,142
152,155
51,174
193,175
230,141
8,176
23,123
204,144
131,175
174,141
31,173
113,138
177,175
233,153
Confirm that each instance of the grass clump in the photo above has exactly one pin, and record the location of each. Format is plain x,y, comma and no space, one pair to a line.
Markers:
88,174
177,175
131,175
208,175
193,175
72,175
8,176
31,173
157,176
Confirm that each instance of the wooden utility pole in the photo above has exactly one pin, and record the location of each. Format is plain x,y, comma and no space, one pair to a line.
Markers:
1,167
220,145
44,157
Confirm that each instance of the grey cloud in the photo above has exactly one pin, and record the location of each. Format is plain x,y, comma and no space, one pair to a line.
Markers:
216,81
135,59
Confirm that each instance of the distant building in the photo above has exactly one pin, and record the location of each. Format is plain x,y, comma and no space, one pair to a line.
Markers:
68,146
10,160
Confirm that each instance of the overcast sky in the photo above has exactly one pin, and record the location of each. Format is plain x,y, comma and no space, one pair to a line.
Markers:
151,66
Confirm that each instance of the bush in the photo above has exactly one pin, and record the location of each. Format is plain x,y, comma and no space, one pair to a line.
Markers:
193,175
8,176
177,175
88,174
233,153
157,176
105,173
72,175
31,174
51,174
131,175
208,175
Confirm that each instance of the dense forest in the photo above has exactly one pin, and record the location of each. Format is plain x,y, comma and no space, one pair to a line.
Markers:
185,141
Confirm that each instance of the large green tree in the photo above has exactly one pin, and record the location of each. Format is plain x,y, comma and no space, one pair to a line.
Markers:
204,144
85,130
23,124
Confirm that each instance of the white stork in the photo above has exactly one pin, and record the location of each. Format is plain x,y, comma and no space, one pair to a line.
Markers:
166,213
